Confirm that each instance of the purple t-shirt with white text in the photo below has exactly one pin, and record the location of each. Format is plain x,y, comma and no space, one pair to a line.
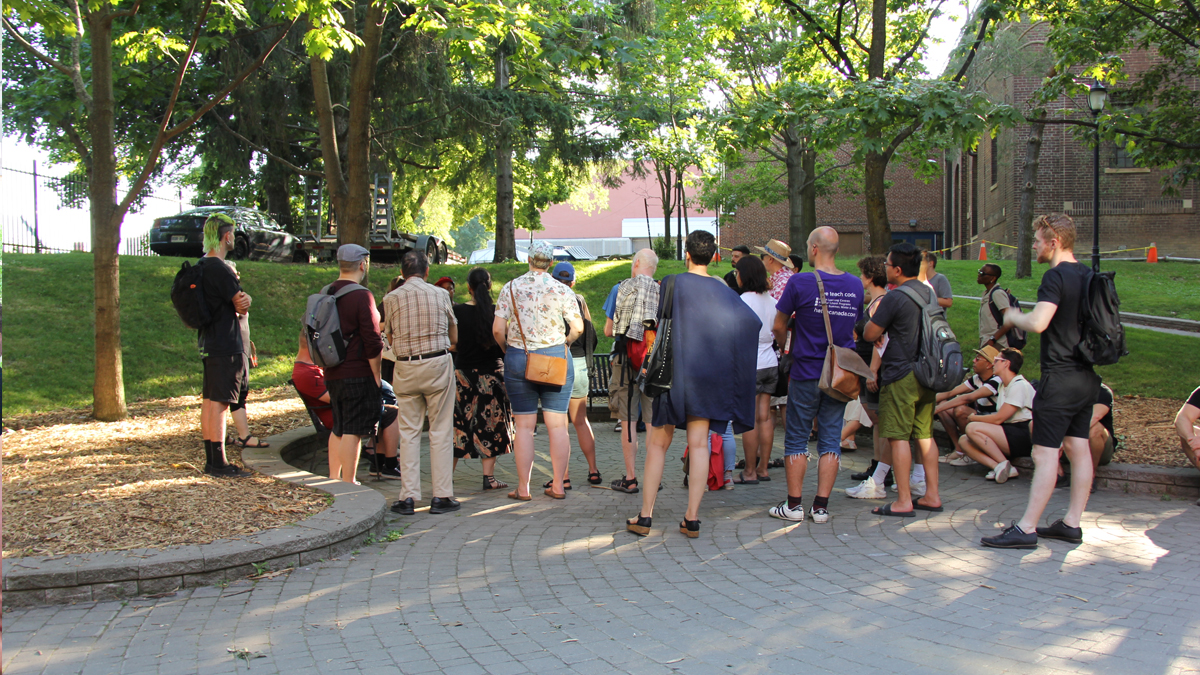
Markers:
844,293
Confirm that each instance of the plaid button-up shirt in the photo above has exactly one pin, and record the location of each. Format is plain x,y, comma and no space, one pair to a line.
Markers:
418,317
778,281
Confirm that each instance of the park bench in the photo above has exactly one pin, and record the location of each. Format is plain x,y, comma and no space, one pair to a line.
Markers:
598,377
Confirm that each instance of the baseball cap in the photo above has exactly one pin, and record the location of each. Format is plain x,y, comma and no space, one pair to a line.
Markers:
352,253
988,352
447,280
564,272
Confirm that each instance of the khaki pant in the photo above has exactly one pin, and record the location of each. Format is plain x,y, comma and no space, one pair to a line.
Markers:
422,387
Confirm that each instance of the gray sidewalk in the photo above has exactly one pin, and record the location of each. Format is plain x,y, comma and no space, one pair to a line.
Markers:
546,586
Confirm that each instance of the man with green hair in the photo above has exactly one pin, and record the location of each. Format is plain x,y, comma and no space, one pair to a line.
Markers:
225,368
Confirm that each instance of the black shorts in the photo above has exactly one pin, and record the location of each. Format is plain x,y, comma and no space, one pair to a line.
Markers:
1020,441
869,399
355,403
1063,406
224,378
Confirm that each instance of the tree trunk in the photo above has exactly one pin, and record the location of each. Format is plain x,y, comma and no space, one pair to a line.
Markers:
796,177
355,224
275,184
666,187
808,195
506,245
108,388
1029,174
335,180
875,167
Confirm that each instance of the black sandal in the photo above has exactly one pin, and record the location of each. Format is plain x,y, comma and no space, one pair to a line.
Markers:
490,483
626,485
594,478
245,442
566,484
690,527
640,527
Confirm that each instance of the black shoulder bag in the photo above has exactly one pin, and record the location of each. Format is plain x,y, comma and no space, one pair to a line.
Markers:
654,378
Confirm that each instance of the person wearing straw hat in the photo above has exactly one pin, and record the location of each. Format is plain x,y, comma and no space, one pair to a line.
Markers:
780,268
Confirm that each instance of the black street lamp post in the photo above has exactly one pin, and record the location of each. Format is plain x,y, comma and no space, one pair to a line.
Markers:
1096,97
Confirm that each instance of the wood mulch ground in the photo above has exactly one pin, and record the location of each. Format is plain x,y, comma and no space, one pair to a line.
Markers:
1146,427
75,485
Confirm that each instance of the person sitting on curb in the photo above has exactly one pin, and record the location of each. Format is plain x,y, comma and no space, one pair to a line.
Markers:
1102,439
1188,429
976,395
993,440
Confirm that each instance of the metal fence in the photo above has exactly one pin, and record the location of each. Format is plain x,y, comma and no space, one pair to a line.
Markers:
50,214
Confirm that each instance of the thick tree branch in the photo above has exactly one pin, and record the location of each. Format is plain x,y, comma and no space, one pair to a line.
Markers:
85,154
834,43
183,66
128,12
1128,132
261,149
1152,18
899,139
52,62
979,36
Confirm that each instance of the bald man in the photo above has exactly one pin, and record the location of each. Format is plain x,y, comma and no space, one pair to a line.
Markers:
843,295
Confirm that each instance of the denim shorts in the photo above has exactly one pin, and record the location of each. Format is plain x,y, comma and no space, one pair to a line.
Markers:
806,402
524,395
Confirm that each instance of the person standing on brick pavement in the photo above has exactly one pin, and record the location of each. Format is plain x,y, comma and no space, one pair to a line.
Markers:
939,282
905,407
992,306
1189,430
581,359
976,395
423,329
875,479
752,278
709,324
630,305
1062,409
226,371
483,419
843,298
354,384
530,311
735,254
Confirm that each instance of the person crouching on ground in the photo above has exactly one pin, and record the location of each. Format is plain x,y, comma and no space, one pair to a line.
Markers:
995,439
226,371
710,325
530,311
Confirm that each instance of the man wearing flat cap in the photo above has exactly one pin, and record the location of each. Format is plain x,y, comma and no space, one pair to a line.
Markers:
779,266
353,384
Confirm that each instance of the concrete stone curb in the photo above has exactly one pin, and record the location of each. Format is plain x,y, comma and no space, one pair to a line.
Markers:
356,513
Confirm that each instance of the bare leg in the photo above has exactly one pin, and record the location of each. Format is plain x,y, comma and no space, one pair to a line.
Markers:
697,435
348,447
901,466
929,457
242,424
657,442
1096,441
1192,455
985,443
795,467
1045,471
1081,478
849,429
523,451
750,449
583,432
764,426
629,446
560,447
389,438
827,468
489,466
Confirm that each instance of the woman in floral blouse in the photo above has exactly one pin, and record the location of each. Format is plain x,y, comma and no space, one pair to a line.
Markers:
542,304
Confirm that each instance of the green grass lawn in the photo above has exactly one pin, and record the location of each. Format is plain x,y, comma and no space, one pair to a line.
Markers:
50,353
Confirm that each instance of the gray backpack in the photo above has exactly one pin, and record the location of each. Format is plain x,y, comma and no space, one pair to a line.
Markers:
939,364
323,326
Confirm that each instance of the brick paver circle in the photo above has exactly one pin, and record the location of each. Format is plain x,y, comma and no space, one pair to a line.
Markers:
503,588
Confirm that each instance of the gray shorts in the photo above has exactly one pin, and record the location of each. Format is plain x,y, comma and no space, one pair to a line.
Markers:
580,390
766,379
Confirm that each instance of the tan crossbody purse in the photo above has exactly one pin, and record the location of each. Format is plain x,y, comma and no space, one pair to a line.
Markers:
540,368
839,375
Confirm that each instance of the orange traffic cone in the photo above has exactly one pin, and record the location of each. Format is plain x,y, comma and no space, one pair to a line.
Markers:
983,250
1152,254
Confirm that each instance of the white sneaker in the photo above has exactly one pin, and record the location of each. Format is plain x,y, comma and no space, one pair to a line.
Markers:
991,475
949,457
962,460
868,489
820,515
916,487
1000,473
782,512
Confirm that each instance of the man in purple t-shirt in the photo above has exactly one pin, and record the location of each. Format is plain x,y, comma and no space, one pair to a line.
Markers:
844,298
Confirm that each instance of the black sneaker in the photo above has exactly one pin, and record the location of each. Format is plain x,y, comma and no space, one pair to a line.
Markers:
390,468
1012,537
1060,530
227,471
404,507
863,475
444,505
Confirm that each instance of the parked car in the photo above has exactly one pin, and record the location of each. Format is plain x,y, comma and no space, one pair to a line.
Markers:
257,237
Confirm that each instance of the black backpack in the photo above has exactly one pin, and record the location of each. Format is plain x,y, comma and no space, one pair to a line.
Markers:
1016,337
939,364
1101,335
187,294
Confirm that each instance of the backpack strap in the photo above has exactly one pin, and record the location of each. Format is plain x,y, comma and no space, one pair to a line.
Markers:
991,298
346,290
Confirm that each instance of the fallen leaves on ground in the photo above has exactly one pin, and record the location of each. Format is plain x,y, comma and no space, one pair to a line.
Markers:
1146,427
76,485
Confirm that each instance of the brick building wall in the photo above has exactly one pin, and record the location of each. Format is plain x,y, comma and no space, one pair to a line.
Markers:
908,200
1135,211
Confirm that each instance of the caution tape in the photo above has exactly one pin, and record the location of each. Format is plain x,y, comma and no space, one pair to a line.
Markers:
1122,250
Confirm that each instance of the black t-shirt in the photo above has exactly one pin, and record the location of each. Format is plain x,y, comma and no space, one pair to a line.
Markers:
1105,398
472,353
901,317
1065,285
731,281
1194,399
222,337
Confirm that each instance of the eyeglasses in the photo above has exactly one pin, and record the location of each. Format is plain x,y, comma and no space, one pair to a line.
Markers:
999,358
